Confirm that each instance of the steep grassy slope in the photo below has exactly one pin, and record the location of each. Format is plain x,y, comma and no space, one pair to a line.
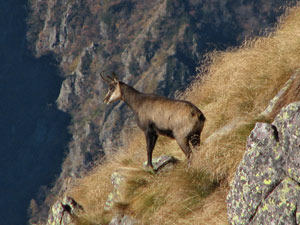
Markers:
237,87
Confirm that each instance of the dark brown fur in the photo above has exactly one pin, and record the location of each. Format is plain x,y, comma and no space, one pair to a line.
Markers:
157,115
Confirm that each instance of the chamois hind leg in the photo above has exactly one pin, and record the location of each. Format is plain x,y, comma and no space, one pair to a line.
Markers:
194,137
185,147
195,140
151,138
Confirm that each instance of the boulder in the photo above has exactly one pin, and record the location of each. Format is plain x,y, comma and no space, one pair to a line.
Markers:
265,189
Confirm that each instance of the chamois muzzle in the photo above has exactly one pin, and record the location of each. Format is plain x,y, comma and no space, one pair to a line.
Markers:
114,92
106,98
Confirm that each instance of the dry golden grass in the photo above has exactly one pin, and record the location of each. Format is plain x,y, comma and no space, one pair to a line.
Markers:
236,88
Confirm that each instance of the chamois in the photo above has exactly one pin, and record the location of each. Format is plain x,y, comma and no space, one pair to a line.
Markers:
159,115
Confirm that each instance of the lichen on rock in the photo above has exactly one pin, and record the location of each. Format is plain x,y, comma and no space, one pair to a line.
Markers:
280,207
288,123
265,189
117,179
122,220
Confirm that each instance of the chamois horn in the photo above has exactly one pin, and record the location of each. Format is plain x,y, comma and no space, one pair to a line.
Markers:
105,79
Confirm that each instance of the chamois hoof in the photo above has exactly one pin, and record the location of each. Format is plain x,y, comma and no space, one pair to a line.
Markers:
187,167
149,169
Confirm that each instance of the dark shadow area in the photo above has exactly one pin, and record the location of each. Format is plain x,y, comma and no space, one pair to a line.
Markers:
33,132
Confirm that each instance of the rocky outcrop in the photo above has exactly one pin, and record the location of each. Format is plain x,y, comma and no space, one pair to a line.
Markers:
265,189
64,212
289,93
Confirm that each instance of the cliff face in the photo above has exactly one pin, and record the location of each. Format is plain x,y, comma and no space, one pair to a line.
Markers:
32,130
155,46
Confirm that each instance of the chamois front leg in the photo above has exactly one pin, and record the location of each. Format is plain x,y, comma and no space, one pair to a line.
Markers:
151,138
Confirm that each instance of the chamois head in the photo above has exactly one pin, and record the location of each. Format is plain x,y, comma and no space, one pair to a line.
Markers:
114,90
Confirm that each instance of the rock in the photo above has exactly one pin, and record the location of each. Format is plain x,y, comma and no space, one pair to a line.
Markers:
116,179
289,93
123,220
225,130
280,207
288,125
66,96
265,188
256,174
162,163
64,212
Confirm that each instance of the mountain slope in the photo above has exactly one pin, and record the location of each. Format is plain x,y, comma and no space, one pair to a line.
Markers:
236,90
154,46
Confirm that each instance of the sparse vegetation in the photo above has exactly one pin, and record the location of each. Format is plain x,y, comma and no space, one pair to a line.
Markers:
237,86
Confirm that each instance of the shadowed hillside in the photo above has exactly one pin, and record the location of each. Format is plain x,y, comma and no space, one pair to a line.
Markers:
33,132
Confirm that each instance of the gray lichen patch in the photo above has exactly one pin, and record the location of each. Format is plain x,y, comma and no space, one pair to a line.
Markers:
256,175
265,189
288,123
284,199
116,179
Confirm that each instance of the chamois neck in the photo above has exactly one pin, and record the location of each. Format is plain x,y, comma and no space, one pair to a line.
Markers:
130,96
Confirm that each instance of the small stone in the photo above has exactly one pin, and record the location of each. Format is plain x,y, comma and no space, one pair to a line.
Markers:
123,220
162,163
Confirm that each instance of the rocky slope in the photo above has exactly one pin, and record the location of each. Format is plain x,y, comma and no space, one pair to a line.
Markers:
155,46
